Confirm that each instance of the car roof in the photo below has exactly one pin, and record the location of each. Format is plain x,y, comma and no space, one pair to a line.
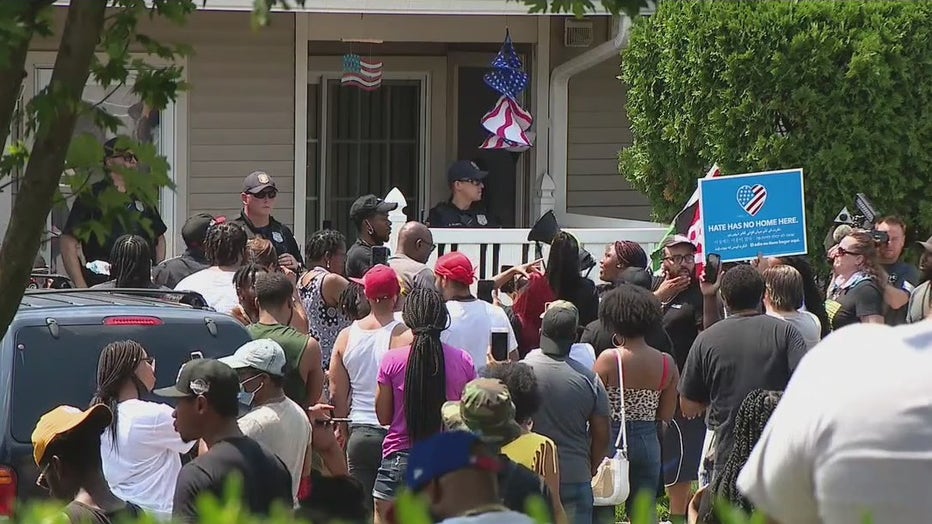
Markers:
57,298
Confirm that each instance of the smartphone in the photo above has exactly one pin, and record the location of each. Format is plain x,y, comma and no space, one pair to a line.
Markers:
505,267
379,255
499,344
484,290
713,263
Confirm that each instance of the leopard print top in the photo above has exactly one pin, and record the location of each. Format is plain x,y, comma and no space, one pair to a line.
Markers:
640,404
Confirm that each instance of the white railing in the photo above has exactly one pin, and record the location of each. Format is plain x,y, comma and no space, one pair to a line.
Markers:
489,249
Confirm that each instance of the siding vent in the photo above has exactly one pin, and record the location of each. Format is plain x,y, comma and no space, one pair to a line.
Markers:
577,33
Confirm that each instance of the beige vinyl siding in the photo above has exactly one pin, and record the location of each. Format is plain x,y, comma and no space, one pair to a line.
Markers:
240,106
598,130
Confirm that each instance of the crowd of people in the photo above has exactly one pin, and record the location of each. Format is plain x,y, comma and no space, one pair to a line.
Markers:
369,377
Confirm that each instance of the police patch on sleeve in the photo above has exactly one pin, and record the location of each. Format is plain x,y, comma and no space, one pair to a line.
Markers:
483,221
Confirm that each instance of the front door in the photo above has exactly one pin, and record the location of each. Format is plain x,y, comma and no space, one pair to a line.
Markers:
372,142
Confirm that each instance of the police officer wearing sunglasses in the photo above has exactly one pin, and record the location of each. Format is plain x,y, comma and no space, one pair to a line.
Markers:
259,193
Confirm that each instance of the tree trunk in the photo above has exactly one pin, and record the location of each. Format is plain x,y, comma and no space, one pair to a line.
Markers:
34,199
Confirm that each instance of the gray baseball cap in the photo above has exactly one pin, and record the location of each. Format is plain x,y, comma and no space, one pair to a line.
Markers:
558,328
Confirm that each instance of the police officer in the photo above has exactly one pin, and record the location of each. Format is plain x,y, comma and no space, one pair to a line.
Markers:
86,209
463,209
258,196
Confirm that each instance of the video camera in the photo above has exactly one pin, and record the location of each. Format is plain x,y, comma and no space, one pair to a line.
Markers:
846,222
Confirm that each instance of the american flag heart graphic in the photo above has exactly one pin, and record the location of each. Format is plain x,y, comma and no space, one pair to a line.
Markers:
752,198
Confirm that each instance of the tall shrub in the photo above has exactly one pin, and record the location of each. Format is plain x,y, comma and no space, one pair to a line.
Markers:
841,89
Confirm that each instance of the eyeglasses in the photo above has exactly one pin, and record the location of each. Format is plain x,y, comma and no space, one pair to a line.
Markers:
41,481
426,243
126,155
266,193
840,252
681,259
471,181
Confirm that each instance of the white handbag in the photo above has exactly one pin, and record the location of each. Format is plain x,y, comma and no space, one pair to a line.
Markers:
610,486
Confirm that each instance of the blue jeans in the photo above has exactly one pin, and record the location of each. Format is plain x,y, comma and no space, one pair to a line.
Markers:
643,467
577,501
391,476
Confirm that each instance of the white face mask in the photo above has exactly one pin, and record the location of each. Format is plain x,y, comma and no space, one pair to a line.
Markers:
246,398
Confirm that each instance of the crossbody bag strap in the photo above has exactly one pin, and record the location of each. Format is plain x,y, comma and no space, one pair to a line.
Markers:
623,434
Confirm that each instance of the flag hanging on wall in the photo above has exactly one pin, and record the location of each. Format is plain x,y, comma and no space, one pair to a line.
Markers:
507,122
366,74
688,223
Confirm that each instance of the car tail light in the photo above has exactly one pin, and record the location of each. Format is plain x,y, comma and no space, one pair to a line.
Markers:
7,491
133,321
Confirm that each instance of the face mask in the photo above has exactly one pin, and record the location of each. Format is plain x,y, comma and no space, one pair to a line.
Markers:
244,397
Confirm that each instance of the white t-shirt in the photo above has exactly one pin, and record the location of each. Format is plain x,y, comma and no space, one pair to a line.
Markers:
807,323
215,285
852,434
492,517
144,466
471,325
284,429
581,352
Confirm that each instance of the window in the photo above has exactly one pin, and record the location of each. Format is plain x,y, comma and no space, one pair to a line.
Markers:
371,142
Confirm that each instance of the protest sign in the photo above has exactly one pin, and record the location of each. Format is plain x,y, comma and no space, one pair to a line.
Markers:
755,213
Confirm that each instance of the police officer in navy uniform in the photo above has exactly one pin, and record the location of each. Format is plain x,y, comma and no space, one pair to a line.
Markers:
259,193
463,209
86,209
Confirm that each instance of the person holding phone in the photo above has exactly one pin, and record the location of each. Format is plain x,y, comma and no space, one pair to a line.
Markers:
473,322
369,214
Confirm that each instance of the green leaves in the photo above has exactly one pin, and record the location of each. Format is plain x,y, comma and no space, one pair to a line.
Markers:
841,89
580,7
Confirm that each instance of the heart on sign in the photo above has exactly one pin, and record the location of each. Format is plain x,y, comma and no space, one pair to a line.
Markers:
752,198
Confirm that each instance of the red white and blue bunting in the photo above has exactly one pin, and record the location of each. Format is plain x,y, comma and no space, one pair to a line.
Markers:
507,122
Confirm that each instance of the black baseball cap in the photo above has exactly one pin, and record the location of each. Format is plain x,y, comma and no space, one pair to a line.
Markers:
256,181
111,149
368,205
204,376
194,230
465,170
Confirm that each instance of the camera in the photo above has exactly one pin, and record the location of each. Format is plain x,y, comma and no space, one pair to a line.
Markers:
863,220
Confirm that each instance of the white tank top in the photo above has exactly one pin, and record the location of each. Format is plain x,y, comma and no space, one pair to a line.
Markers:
364,351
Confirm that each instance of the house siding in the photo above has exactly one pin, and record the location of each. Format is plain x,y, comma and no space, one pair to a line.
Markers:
240,106
598,129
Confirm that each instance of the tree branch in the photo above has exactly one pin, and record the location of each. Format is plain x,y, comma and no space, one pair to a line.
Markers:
12,75
43,172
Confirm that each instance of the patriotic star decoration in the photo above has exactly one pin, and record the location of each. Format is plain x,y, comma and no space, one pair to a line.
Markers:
507,121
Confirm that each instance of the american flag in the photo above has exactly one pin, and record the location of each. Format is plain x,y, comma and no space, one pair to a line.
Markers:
507,76
364,74
752,198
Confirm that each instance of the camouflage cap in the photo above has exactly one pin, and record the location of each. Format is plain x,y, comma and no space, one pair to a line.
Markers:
486,409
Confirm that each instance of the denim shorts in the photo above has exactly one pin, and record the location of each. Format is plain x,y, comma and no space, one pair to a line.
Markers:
391,476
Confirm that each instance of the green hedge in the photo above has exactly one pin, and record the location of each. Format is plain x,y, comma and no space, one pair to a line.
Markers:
850,82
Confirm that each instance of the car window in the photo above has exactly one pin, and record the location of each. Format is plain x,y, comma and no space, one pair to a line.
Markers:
49,371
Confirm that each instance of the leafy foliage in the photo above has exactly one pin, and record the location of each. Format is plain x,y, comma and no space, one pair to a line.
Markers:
841,89
580,7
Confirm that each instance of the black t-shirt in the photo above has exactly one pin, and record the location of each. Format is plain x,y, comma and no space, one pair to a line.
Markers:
517,484
174,270
278,234
862,299
445,214
600,337
682,320
358,259
901,276
86,209
265,479
732,358
80,513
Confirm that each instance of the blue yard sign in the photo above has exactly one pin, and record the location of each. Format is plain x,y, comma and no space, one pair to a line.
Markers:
744,215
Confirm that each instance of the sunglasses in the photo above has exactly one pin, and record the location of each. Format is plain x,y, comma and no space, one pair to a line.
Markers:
41,481
471,181
429,244
840,251
266,193
126,155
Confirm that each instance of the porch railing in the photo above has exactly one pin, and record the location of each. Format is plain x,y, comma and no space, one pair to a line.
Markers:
489,249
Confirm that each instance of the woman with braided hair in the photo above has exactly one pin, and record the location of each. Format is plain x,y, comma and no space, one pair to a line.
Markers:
130,264
618,257
414,382
752,416
226,250
244,280
320,289
141,449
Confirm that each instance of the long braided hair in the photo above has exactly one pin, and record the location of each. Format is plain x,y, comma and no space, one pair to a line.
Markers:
321,246
244,280
131,262
117,364
750,420
225,244
425,377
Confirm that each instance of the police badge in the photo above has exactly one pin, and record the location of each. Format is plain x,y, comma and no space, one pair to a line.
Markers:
277,236
483,221
139,206
263,178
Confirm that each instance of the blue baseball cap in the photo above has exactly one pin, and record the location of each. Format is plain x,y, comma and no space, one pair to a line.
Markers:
445,453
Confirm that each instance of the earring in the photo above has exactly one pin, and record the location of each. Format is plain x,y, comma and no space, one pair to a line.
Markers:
616,342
